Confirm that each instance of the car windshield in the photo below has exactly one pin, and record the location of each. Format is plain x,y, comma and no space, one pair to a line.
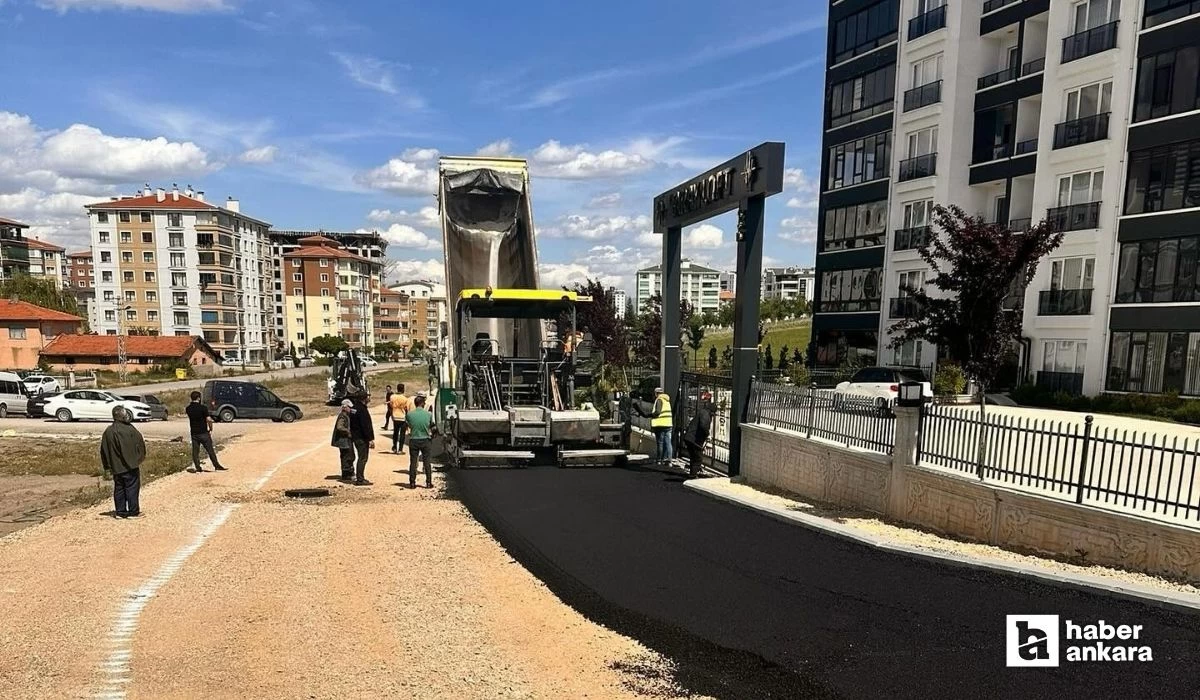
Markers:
912,375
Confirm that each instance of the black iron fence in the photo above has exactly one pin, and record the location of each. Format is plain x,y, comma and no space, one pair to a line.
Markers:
1113,468
1080,131
1074,217
923,96
928,22
855,421
918,166
1088,42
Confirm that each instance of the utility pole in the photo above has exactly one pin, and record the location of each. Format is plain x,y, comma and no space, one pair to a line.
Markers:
122,358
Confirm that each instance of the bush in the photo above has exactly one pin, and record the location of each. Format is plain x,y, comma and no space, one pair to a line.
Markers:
799,375
1162,406
949,380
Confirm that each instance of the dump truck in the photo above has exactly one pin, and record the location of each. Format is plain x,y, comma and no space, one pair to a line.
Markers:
510,362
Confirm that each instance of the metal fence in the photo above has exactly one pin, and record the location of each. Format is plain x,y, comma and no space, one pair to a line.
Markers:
1119,469
691,384
850,420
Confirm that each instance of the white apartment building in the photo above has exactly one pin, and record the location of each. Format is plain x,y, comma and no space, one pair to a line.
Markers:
619,301
171,263
699,285
47,260
788,283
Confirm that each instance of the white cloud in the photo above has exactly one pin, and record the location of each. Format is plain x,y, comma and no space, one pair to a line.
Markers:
598,227
555,275
57,217
401,177
85,152
427,217
806,189
552,159
377,74
704,236
554,153
497,149
432,269
260,155
801,229
408,238
174,6
420,155
605,201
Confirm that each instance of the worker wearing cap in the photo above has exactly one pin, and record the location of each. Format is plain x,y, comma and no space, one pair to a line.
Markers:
362,434
341,439
662,422
697,432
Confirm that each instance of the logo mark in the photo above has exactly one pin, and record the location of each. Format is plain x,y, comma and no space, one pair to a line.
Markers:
750,174
1031,640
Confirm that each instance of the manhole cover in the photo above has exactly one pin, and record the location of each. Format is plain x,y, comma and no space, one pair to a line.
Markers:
306,493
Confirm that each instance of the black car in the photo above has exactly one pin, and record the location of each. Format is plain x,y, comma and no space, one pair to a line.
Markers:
158,410
228,400
35,407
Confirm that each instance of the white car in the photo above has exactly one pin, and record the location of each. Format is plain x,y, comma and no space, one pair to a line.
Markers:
367,361
88,404
881,385
40,384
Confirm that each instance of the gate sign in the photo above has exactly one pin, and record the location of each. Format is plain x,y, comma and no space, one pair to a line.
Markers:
758,171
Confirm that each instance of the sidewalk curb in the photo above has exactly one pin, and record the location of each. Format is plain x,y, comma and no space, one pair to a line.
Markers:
1089,584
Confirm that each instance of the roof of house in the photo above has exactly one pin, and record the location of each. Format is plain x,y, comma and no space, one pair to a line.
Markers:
80,254
321,247
685,266
24,311
169,203
10,222
793,270
43,245
165,346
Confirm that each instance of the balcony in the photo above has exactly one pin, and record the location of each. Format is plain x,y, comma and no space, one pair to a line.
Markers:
923,96
923,24
1075,217
904,307
1065,302
1020,225
1037,65
993,5
1000,76
1081,131
1066,382
920,166
1088,42
911,238
1023,147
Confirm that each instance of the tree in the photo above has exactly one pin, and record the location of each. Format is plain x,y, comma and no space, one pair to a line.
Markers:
725,314
695,336
727,358
599,318
416,350
712,357
769,360
328,344
647,337
783,359
40,291
975,265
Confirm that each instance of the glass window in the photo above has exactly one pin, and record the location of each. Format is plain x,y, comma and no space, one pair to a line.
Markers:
1063,356
1158,271
858,226
147,236
1080,188
102,217
850,290
859,161
1089,100
104,237
1072,273
925,71
922,142
862,96
147,256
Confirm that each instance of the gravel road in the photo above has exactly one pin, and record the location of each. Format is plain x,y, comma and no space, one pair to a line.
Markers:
374,592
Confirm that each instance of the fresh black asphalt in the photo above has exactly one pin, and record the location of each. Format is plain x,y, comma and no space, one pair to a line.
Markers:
750,607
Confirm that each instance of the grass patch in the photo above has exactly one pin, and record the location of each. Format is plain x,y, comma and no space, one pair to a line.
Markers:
794,334
38,457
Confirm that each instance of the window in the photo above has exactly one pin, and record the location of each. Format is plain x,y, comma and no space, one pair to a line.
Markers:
209,317
1158,271
182,319
147,256
297,277
324,292
177,260
102,217
1072,273
105,256
919,213
147,237
146,218
865,30
130,295
126,257
1080,188
324,277
857,226
110,316
324,262
104,237
126,237
127,275
1089,100
859,161
208,258
297,292
299,321
1154,362
131,315
1064,356
106,276
174,219
922,142
149,276
908,354
909,282
925,71
15,333
862,96
179,298
300,307
1167,83
151,297
299,336
1162,11
1093,13
325,307
296,262
123,217
850,290
1164,178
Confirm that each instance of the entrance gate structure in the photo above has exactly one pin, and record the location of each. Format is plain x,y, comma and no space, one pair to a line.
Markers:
742,183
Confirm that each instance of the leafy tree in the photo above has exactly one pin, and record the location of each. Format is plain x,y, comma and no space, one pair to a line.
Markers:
783,359
727,358
797,357
769,360
712,357
328,344
40,291
975,264
416,349
695,336
725,314
599,318
648,333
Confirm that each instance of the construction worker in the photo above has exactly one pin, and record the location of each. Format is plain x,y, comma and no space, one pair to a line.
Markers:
697,432
662,423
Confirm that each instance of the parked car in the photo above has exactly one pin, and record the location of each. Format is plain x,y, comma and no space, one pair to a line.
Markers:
13,398
88,404
158,409
368,361
35,407
229,400
41,384
882,385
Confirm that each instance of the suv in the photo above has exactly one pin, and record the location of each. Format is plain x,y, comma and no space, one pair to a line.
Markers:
882,384
228,400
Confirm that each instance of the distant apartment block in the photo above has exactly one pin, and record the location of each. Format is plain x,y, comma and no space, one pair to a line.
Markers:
14,248
428,310
788,283
619,300
46,260
699,285
327,290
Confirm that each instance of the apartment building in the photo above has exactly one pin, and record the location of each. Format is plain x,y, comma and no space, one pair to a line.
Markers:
329,291
699,285
46,260
788,283
393,318
79,273
171,263
427,309
14,248
619,300
1018,111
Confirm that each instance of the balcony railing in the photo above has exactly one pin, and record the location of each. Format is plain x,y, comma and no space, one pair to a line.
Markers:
1020,225
992,5
1075,217
1023,147
1080,131
1090,41
1037,65
923,96
911,238
928,22
862,113
1065,302
1000,76
920,166
1066,382
904,307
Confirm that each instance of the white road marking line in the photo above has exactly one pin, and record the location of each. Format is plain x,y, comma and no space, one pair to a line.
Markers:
115,667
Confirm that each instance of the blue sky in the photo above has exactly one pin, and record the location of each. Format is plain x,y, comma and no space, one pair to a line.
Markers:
330,115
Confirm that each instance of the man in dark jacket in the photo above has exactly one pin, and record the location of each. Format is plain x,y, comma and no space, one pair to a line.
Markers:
697,432
122,451
341,439
362,434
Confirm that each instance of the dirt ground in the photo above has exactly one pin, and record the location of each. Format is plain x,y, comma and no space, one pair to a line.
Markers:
227,588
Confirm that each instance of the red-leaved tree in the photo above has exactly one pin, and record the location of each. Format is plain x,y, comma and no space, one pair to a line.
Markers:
975,265
599,318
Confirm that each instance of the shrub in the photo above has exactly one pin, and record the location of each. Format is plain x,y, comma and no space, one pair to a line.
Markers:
799,374
1162,406
949,379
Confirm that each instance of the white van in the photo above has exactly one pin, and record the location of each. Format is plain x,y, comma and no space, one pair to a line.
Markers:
12,395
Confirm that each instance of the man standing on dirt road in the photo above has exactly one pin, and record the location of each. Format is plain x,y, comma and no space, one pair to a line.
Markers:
387,406
200,421
420,431
342,440
122,451
362,434
398,406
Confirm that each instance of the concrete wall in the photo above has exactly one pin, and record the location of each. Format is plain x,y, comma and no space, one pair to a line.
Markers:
963,507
